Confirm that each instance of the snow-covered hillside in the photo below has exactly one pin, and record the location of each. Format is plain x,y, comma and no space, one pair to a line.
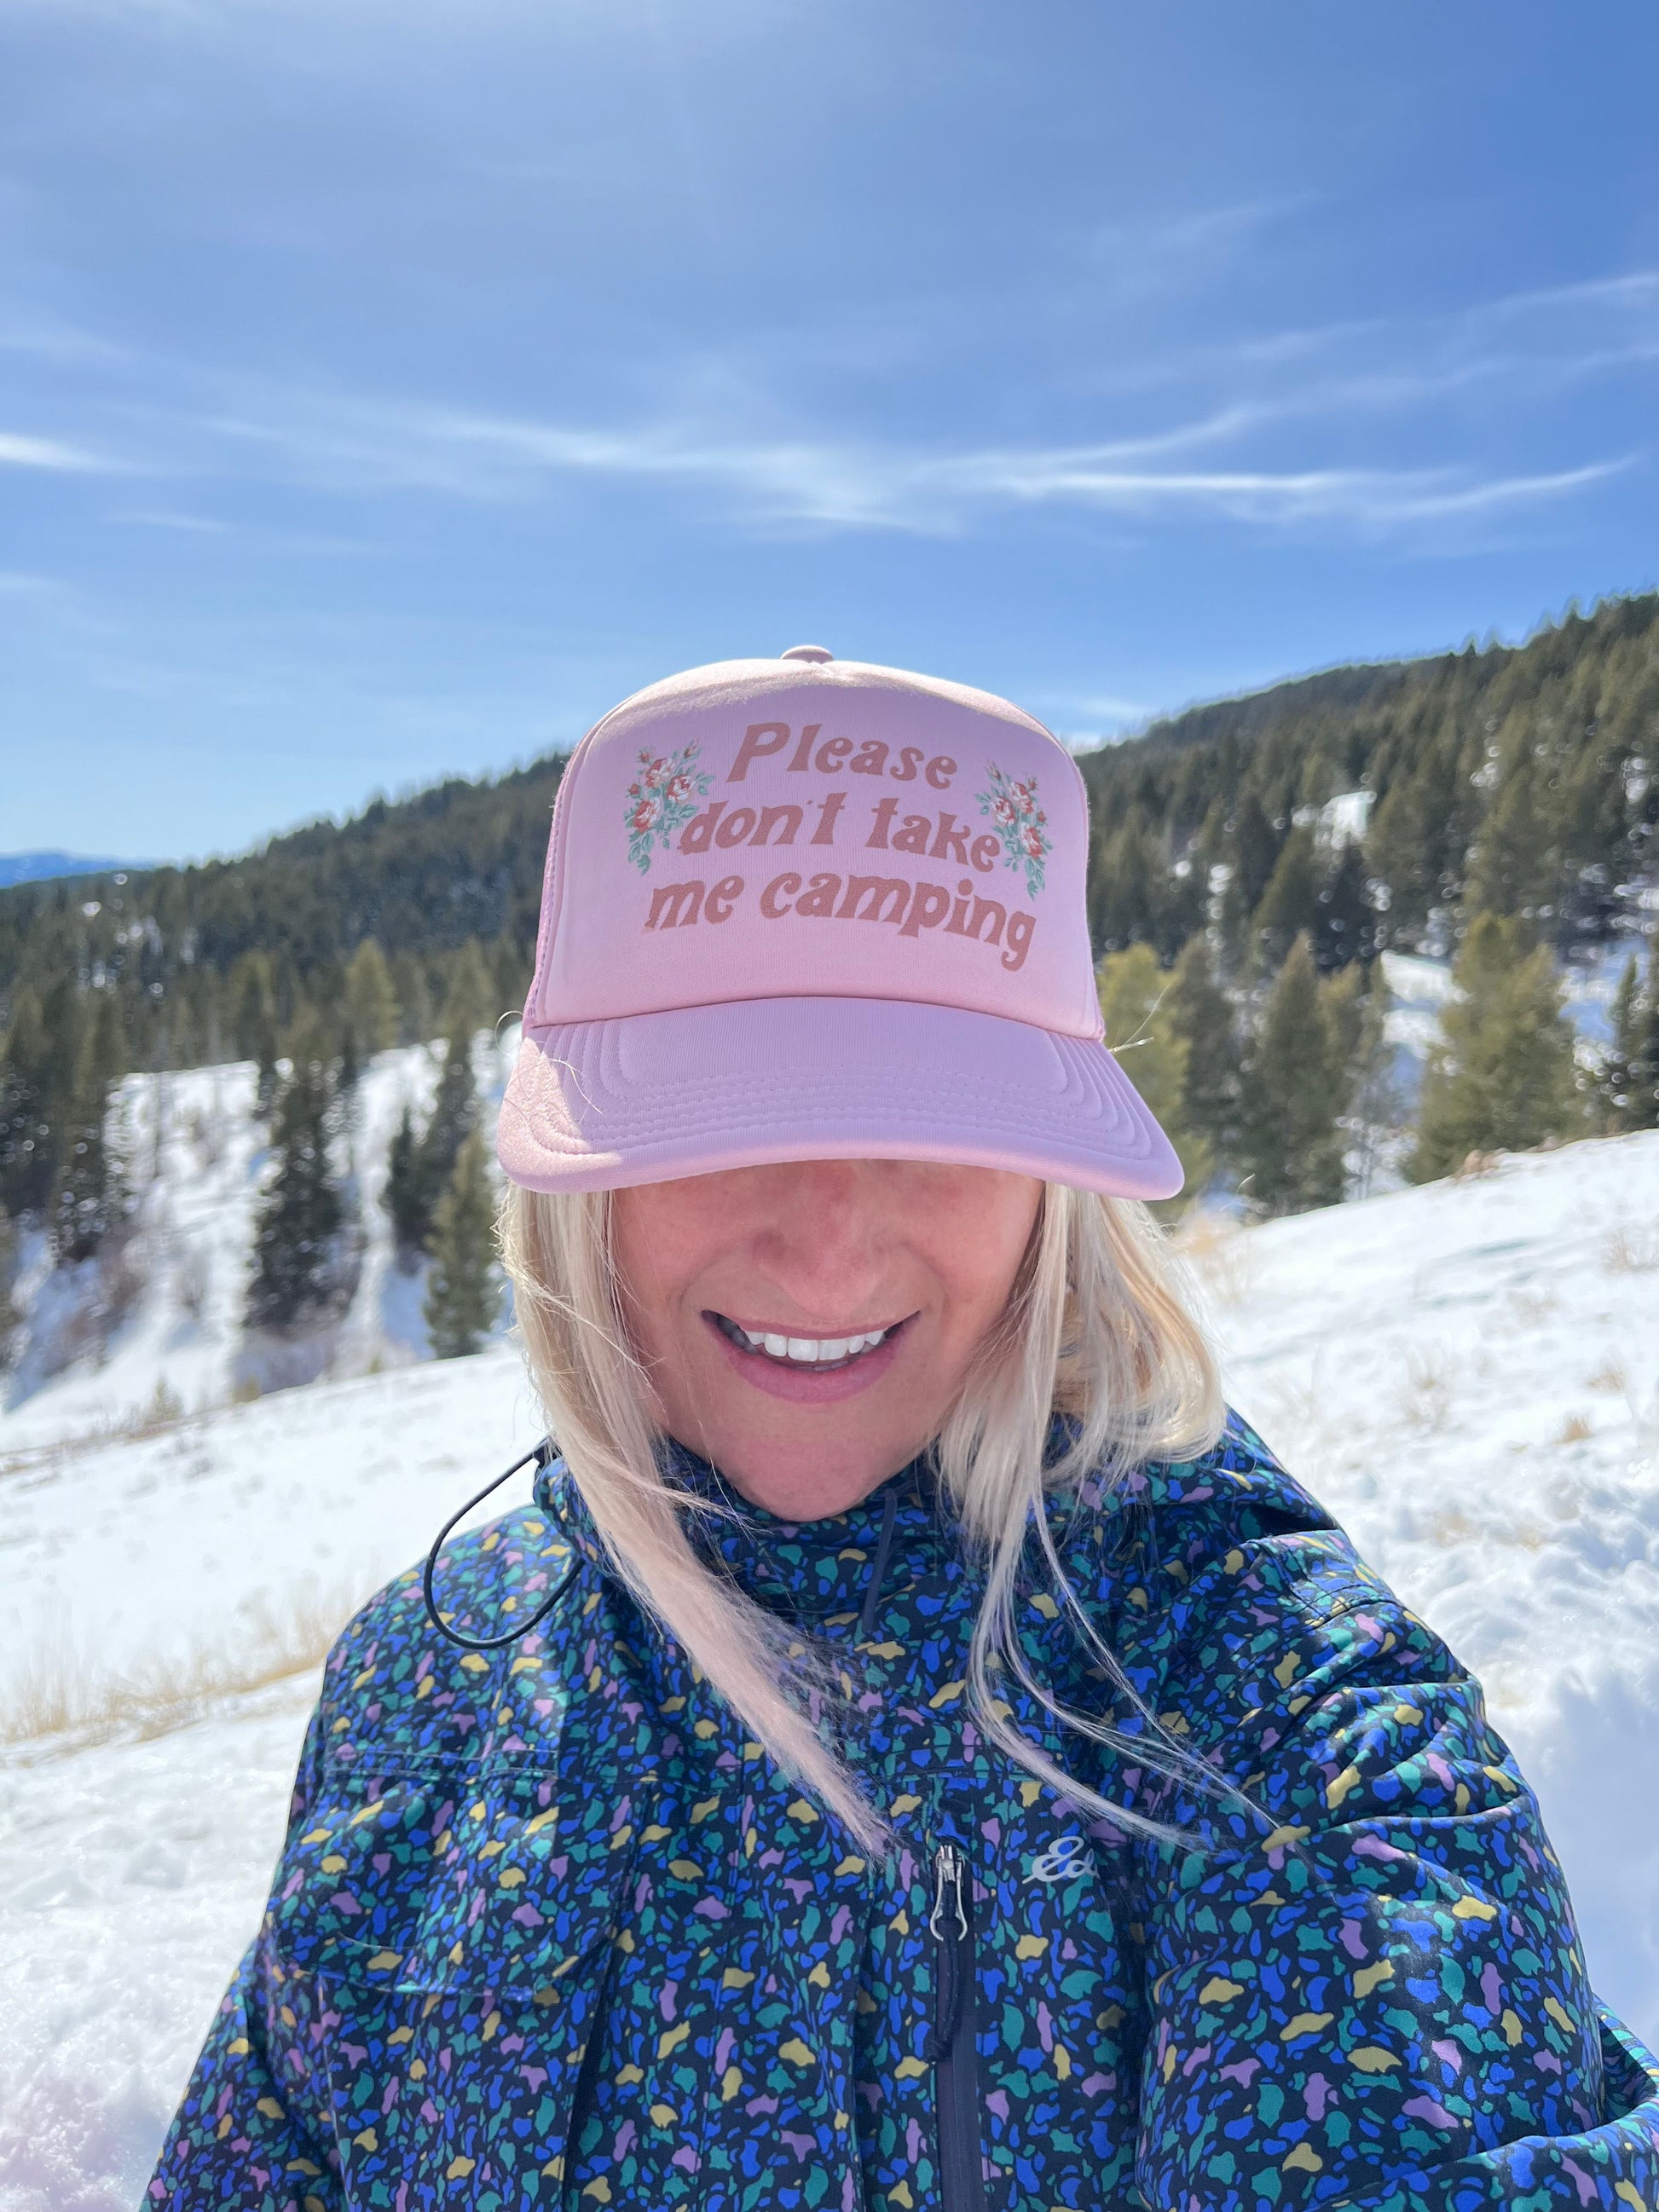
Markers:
1468,1374
198,1178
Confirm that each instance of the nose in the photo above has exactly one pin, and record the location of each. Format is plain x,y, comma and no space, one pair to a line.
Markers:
828,1239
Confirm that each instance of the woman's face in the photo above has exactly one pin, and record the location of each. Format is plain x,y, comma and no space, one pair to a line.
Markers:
806,1326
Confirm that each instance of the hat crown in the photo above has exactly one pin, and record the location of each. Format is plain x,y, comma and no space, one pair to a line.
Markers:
812,827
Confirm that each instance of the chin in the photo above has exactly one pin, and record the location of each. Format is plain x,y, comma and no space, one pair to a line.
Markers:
800,1481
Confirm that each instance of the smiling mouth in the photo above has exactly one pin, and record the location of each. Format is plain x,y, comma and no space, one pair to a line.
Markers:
820,1355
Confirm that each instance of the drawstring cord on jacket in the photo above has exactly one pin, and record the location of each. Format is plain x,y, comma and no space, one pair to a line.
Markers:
542,1454
878,1570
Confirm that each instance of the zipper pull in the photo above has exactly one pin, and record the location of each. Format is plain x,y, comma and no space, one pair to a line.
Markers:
947,1885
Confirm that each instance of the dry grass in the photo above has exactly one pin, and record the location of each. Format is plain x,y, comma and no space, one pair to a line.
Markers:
163,1412
1478,1166
1452,1526
1632,1251
61,1703
1574,1430
1610,1376
1425,1400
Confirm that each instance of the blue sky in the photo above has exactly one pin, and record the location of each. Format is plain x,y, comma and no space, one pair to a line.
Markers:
386,389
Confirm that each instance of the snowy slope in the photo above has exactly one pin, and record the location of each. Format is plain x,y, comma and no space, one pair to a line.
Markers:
199,1187
1468,1375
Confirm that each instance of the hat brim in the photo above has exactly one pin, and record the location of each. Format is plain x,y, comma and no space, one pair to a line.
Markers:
645,1098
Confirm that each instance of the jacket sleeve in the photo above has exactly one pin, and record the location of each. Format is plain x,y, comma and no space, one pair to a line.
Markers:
1366,1986
248,2135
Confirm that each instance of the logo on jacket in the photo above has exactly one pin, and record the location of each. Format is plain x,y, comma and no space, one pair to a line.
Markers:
1066,1861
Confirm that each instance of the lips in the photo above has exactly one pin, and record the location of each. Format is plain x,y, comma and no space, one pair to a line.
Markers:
820,1354
809,1381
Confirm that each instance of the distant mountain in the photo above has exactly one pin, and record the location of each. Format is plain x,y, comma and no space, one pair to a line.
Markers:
47,867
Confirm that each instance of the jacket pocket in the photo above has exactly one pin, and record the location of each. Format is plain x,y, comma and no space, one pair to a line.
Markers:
429,1884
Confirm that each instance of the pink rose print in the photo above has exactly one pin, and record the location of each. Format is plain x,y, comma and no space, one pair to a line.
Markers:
1021,824
661,800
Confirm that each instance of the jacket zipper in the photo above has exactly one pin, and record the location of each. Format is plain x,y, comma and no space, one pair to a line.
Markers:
954,2049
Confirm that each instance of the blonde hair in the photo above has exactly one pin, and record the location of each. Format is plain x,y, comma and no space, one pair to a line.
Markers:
1095,1330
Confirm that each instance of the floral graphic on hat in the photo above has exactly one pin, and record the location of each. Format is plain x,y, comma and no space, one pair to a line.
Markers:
1019,823
661,799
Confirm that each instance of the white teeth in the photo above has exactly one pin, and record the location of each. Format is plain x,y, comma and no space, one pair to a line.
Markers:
809,1350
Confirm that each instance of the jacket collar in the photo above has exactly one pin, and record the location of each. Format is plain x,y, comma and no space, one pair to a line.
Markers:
840,1570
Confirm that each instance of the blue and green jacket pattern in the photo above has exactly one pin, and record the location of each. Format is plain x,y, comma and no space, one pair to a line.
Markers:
549,1930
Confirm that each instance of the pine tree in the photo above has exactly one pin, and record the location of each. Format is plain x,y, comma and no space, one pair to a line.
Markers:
414,999
1344,927
404,1196
1202,1018
91,1198
1642,1109
27,1165
1123,910
1614,1076
1252,857
9,1317
253,1022
1294,1091
454,1115
419,1166
470,996
1503,1076
1135,995
1290,904
370,1001
299,1271
463,1294
1510,871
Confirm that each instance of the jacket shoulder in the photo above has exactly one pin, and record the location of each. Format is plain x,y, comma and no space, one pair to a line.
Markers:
1216,1565
394,1682
1172,1523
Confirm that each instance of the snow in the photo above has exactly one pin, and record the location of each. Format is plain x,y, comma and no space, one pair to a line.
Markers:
1342,820
1466,1373
199,1190
1467,1376
132,1881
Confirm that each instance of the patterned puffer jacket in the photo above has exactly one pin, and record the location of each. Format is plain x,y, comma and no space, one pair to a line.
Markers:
549,1930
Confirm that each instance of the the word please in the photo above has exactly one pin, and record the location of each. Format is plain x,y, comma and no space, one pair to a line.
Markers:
761,740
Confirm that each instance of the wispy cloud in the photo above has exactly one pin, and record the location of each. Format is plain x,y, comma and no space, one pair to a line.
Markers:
1519,344
1279,444
153,517
23,452
830,484
1171,251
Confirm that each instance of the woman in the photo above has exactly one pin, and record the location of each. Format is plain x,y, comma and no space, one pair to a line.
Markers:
918,1751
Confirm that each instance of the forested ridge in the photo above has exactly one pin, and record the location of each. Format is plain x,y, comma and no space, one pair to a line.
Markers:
422,876
1518,780
1249,860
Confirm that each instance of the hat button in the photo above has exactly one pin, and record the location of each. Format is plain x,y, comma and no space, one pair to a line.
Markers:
807,653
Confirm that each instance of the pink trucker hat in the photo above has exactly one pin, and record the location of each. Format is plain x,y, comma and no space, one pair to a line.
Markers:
809,908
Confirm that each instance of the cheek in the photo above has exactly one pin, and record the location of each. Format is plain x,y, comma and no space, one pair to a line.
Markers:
990,1230
644,1247
665,1236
